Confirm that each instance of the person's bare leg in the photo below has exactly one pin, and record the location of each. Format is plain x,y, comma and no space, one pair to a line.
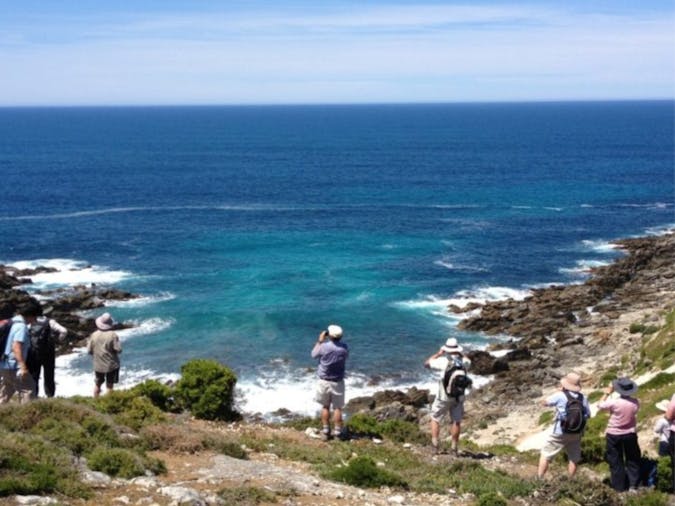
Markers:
455,429
571,469
543,467
97,391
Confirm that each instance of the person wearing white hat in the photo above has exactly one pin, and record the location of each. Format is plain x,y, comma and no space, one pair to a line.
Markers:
104,345
662,430
332,354
445,404
623,451
670,415
563,436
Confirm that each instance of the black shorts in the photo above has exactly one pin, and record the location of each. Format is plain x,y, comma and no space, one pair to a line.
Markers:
109,378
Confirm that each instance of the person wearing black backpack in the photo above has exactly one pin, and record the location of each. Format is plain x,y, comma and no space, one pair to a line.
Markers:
449,398
14,374
622,451
571,412
44,333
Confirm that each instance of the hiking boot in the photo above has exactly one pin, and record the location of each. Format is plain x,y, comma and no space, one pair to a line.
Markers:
337,433
435,449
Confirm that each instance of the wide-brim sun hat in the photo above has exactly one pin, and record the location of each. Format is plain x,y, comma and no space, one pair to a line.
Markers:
451,346
571,382
334,331
624,386
104,322
662,405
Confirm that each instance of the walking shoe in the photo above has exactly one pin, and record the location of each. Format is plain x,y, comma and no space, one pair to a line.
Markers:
337,433
435,449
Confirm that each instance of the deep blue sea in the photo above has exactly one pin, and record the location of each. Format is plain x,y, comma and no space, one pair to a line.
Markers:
247,230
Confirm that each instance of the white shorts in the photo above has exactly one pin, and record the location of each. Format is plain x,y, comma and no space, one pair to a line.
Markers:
556,442
444,405
330,392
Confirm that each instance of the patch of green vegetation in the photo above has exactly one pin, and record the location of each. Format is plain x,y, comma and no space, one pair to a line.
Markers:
658,349
364,472
161,395
247,496
302,423
394,430
206,388
663,475
31,465
546,417
608,376
491,499
123,463
659,381
595,396
581,490
649,498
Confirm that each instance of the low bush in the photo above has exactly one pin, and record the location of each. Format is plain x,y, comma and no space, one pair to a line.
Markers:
123,463
161,395
363,425
363,472
33,466
491,499
664,480
246,496
206,388
395,430
660,380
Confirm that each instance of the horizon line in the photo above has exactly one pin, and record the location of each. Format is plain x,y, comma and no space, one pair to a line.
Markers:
331,104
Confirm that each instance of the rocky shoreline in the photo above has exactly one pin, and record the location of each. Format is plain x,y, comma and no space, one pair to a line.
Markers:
63,305
555,328
582,327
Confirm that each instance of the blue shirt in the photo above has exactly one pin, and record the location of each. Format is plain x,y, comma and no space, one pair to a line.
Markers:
332,355
18,333
559,400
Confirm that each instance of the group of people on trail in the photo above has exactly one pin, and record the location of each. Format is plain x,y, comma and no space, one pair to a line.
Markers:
572,410
29,352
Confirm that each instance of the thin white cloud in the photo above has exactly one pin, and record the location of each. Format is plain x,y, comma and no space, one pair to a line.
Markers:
428,53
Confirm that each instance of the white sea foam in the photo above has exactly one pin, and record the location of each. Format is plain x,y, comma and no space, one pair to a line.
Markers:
600,246
70,272
145,327
583,267
267,395
447,264
557,209
141,301
661,230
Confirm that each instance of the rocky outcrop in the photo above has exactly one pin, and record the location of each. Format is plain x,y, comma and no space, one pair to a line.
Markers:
391,404
64,305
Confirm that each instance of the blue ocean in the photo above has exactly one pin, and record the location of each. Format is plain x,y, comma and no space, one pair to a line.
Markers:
247,230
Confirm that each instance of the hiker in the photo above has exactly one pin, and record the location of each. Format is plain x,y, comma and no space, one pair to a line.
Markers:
14,374
44,333
104,345
623,451
670,415
662,429
445,404
571,412
332,354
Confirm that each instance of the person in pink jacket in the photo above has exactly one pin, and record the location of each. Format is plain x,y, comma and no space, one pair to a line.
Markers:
622,451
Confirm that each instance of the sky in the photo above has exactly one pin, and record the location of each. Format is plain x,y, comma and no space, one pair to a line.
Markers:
171,52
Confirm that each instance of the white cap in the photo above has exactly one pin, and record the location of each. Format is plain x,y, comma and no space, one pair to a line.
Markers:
334,331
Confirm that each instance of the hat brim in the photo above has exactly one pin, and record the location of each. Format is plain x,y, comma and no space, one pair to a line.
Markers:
103,326
567,385
455,349
624,391
662,405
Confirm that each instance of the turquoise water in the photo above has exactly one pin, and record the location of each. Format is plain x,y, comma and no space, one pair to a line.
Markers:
248,230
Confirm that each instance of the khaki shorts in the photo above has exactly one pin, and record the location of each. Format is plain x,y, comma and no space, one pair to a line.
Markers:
556,442
331,392
443,405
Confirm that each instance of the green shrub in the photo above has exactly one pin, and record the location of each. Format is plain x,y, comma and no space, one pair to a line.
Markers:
65,433
139,413
649,498
363,425
246,496
636,328
470,476
402,431
206,388
491,499
664,481
363,472
593,449
546,417
31,465
161,395
116,462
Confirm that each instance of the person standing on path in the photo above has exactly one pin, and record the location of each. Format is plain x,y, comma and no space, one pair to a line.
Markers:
14,374
104,345
662,429
559,438
332,354
622,452
445,404
44,333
